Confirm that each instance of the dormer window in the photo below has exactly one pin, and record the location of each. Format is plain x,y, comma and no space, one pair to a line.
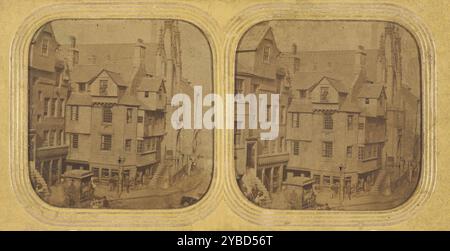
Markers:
266,54
44,48
324,94
82,87
302,93
103,87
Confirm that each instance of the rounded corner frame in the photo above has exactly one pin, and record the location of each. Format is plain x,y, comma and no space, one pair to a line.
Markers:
18,113
292,219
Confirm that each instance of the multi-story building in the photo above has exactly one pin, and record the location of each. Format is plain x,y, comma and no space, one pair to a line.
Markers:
260,162
119,113
48,91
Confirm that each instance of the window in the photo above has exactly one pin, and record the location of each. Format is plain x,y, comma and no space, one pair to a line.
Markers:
140,119
58,138
367,101
107,115
146,94
316,179
44,48
326,180
140,145
105,172
96,171
59,109
46,106
61,132
237,137
349,151
129,115
53,108
75,141
63,107
74,112
106,142
82,87
266,54
128,145
103,87
295,120
51,139
302,94
361,126
281,145
324,94
283,116
327,149
327,121
45,138
296,147
350,122
361,153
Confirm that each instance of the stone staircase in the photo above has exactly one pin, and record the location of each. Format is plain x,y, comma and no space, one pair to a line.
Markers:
250,180
36,178
158,176
381,185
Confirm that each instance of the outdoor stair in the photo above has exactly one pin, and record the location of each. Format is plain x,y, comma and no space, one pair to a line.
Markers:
157,178
380,181
250,180
37,178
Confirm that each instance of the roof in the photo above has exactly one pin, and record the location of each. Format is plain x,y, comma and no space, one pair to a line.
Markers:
79,99
297,106
299,181
253,37
349,106
151,84
117,78
77,174
370,91
115,57
337,84
84,73
127,99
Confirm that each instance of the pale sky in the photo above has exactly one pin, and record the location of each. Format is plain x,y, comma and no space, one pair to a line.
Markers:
196,54
345,35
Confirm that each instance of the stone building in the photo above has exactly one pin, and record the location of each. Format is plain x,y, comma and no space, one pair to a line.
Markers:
120,107
261,163
48,91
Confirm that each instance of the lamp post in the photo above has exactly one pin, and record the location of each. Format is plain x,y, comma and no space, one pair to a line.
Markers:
120,161
341,185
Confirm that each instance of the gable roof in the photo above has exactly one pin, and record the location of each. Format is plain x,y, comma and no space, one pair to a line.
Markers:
337,84
152,84
79,99
116,77
253,37
370,91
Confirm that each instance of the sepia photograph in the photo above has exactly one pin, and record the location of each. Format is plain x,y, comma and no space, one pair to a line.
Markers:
349,115
100,131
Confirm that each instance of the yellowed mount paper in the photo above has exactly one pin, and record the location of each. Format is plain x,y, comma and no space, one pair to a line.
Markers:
91,137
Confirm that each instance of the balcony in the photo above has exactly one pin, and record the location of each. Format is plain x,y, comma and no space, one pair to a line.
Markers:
147,158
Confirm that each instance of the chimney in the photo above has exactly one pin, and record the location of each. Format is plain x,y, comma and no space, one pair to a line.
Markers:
139,54
360,60
294,48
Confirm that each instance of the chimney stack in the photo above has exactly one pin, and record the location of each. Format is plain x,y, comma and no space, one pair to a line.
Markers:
360,59
139,54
